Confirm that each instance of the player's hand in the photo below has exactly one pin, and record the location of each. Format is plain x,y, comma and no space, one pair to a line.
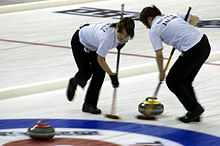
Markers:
114,79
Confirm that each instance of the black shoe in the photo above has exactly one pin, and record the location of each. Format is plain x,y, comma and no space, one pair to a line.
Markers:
71,89
192,116
88,108
197,119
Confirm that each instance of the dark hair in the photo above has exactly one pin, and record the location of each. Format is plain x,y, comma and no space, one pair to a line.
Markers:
127,24
152,11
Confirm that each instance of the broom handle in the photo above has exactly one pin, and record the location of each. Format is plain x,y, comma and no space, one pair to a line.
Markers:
167,64
115,89
171,54
117,67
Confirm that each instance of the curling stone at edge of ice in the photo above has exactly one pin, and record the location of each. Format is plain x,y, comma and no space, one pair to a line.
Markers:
157,107
41,131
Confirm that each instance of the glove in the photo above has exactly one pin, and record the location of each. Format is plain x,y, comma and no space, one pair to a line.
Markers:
119,47
114,79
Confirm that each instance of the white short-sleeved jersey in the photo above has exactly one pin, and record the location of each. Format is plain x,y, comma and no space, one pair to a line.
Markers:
174,31
99,37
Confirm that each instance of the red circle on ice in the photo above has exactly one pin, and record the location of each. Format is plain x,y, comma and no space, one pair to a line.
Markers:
60,141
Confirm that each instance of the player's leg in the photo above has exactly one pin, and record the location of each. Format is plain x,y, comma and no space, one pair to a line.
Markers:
92,95
83,64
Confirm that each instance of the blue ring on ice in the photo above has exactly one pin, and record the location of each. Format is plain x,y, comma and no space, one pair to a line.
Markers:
181,136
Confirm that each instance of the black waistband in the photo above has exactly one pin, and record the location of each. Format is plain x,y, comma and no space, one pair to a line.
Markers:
87,24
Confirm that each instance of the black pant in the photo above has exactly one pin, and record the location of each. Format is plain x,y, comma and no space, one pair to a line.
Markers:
88,67
181,75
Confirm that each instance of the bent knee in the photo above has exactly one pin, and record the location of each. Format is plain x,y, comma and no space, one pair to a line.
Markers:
172,82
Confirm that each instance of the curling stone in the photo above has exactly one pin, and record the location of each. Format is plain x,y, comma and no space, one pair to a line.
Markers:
152,107
41,131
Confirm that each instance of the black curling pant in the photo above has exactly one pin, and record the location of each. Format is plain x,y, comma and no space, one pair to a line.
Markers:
88,68
182,73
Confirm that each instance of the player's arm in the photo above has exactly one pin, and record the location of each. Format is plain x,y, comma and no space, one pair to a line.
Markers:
194,20
104,65
159,59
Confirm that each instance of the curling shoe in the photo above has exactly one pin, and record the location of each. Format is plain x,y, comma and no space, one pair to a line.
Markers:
71,89
88,108
192,116
197,119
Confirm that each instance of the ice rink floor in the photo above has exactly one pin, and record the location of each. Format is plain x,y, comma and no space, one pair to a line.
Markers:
36,63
